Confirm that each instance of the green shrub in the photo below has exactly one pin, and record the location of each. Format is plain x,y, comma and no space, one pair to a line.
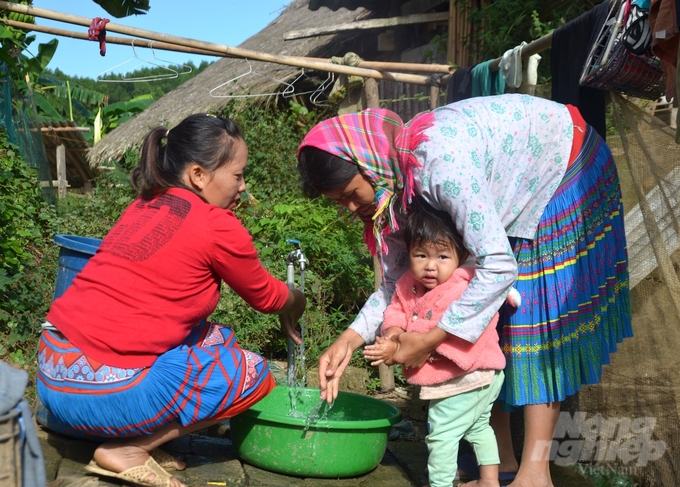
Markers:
26,282
94,214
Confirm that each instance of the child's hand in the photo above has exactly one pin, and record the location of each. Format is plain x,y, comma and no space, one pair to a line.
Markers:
381,350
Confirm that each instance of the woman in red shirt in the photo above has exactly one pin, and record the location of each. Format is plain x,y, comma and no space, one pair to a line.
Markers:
127,354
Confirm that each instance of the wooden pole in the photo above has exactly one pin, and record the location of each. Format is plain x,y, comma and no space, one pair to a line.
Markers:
165,46
534,47
220,49
434,97
64,129
366,24
61,170
385,373
453,34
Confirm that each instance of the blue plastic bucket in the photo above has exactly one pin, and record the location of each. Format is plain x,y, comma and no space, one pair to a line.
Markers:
74,252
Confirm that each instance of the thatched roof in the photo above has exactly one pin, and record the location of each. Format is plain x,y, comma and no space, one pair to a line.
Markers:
194,95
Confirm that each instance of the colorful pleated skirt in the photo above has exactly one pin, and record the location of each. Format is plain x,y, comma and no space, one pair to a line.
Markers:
573,279
207,378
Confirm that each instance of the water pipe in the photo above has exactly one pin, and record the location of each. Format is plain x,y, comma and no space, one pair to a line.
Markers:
296,257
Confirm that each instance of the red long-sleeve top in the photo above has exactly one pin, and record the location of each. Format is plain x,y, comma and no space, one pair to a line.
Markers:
156,274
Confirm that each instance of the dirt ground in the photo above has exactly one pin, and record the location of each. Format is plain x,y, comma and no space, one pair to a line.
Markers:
642,383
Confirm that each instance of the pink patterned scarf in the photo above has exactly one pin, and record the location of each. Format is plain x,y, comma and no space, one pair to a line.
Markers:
382,146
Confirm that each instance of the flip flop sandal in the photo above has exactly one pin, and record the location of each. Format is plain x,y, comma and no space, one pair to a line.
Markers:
136,475
506,477
164,460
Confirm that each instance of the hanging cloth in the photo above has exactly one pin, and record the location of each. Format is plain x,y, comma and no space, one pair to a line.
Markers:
511,66
345,84
97,32
665,38
460,85
571,45
486,82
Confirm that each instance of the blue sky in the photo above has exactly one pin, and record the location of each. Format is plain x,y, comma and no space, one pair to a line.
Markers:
220,21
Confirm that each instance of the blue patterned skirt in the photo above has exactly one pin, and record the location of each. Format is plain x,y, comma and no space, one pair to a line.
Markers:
573,279
207,378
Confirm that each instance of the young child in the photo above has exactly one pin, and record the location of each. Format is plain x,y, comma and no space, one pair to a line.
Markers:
462,379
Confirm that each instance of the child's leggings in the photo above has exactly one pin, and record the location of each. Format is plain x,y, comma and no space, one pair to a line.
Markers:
466,416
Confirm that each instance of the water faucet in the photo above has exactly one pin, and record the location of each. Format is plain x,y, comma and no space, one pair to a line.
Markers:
296,256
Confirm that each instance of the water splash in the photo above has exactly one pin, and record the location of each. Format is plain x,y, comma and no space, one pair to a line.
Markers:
315,416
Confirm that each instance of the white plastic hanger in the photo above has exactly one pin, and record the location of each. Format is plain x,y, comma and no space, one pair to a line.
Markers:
154,61
289,87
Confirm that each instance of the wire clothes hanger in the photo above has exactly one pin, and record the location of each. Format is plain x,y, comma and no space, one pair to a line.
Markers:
169,73
316,97
315,93
288,90
186,69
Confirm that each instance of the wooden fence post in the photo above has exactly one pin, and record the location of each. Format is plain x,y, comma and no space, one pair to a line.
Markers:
61,170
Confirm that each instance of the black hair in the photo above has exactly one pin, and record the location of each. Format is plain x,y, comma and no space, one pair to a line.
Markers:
202,138
428,225
323,171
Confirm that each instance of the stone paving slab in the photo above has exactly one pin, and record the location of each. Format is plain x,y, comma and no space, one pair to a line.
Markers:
211,462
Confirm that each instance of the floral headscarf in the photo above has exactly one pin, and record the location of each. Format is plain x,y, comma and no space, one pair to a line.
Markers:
379,143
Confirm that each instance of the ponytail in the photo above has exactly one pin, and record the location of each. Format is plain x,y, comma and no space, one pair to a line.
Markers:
147,177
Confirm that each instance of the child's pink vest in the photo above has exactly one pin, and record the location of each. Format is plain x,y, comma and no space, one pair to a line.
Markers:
412,309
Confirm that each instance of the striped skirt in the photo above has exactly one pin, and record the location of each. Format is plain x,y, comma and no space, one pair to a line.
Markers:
573,279
207,378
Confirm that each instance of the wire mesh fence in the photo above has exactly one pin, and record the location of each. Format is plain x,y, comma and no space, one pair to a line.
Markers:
19,118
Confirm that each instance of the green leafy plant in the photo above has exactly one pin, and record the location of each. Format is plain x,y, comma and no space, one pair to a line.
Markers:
25,282
439,45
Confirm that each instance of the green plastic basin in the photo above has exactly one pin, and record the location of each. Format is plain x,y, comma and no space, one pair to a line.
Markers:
347,440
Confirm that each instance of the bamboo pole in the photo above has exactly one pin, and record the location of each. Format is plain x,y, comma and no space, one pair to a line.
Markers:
379,65
110,39
221,49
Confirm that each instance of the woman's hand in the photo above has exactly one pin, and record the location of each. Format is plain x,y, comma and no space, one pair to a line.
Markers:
291,314
413,349
334,361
